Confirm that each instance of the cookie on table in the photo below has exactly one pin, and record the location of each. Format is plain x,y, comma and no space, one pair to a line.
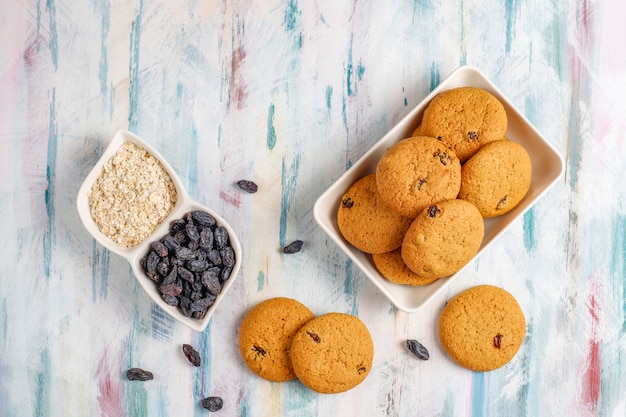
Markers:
482,328
265,336
443,238
332,353
417,172
392,267
496,178
366,221
465,118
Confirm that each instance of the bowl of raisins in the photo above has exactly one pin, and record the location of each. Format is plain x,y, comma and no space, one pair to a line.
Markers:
183,254
547,168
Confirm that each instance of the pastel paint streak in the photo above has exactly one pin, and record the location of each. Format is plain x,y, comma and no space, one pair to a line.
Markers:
134,88
289,178
41,407
192,161
202,386
271,131
260,281
53,43
231,199
292,19
511,11
529,230
351,81
238,90
591,379
329,98
618,260
103,68
435,76
351,287
478,394
110,387
48,239
100,259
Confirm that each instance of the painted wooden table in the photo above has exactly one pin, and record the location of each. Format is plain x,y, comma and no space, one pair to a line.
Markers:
290,94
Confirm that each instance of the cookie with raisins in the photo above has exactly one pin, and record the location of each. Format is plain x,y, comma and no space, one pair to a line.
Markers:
482,328
417,172
332,353
443,238
265,336
465,118
496,178
366,222
392,267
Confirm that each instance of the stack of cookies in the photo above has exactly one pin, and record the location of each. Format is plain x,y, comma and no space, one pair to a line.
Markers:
280,339
421,214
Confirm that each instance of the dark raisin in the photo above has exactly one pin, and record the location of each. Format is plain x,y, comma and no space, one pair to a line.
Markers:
163,267
444,158
138,374
192,355
195,296
185,306
192,232
170,278
228,256
180,237
433,211
185,274
417,349
170,299
472,135
214,257
170,242
315,337
151,263
259,350
221,237
202,218
196,285
173,290
501,203
202,304
361,369
197,265
225,273
347,202
177,225
497,340
210,279
198,315
421,182
160,249
293,247
439,138
248,186
206,238
213,403
193,245
185,254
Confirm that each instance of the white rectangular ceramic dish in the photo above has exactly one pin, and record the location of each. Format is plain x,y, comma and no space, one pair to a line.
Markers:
184,204
547,164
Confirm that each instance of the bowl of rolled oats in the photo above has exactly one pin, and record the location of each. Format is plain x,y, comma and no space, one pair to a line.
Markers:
184,255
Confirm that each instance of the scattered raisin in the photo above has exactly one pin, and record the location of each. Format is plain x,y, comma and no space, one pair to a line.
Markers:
138,374
347,202
212,403
192,355
421,182
293,247
248,186
439,138
501,203
315,337
202,218
444,158
361,369
497,340
433,211
417,349
472,135
259,350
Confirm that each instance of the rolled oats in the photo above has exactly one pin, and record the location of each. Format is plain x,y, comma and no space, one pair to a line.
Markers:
132,196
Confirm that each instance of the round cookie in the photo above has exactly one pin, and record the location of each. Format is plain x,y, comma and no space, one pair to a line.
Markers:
332,353
496,178
367,222
417,172
265,336
465,118
482,328
443,238
392,267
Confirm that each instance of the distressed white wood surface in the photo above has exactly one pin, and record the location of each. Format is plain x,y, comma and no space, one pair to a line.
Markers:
290,94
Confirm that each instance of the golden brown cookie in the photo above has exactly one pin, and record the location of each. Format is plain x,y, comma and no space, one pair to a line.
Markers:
392,267
496,178
417,172
443,238
465,118
332,353
366,221
265,337
418,131
482,328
